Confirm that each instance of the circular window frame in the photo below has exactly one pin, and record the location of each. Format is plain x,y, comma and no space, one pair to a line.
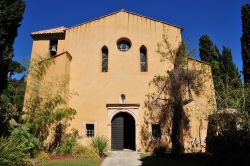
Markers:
123,40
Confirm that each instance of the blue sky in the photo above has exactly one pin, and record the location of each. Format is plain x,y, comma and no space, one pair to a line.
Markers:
220,19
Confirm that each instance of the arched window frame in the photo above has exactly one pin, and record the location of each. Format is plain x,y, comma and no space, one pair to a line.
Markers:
105,57
123,44
143,59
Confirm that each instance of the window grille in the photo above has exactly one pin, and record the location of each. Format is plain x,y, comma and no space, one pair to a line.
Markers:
123,45
90,130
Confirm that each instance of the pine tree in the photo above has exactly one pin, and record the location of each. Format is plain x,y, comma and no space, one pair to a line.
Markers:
11,14
245,42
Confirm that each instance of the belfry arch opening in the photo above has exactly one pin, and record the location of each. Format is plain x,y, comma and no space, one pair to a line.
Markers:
123,131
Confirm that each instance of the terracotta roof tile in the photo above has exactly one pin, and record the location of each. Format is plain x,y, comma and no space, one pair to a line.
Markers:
50,31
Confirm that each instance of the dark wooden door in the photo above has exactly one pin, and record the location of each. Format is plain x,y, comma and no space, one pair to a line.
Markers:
117,132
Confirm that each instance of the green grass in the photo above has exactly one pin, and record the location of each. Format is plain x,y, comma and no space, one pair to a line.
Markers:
73,163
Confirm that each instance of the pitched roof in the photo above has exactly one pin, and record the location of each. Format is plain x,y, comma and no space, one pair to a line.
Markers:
122,10
62,29
50,31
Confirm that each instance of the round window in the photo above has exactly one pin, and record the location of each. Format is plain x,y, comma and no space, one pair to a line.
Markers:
123,44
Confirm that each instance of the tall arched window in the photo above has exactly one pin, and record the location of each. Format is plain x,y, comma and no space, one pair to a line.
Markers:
143,59
105,59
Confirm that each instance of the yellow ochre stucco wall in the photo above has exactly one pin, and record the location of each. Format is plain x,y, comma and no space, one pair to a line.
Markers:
96,89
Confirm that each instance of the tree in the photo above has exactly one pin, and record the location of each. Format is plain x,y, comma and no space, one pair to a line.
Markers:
46,109
231,75
245,42
11,100
210,54
226,77
11,14
11,105
15,67
172,92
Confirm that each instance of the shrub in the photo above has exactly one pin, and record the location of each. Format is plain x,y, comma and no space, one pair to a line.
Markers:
68,143
100,144
42,158
28,143
83,152
66,147
228,134
11,154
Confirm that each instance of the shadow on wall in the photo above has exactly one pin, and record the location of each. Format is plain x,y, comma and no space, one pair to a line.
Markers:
170,96
166,118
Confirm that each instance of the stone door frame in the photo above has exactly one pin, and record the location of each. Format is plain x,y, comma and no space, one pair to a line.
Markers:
132,109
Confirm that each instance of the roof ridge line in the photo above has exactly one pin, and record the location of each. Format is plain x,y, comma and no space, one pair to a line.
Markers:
123,10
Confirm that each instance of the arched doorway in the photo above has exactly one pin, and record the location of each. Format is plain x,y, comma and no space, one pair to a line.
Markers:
123,131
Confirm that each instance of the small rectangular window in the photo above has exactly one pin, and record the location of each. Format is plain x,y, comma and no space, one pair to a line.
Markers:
90,130
53,47
156,131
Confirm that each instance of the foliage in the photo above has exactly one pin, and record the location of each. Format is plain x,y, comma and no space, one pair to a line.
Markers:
246,99
10,17
229,128
210,54
45,105
83,152
68,143
41,116
208,50
15,67
11,90
100,144
11,154
91,162
245,41
229,133
11,104
28,143
173,91
226,76
231,75
42,158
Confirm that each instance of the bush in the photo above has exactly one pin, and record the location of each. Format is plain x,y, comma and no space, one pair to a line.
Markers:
11,154
82,152
66,147
228,134
42,158
68,143
28,143
100,144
